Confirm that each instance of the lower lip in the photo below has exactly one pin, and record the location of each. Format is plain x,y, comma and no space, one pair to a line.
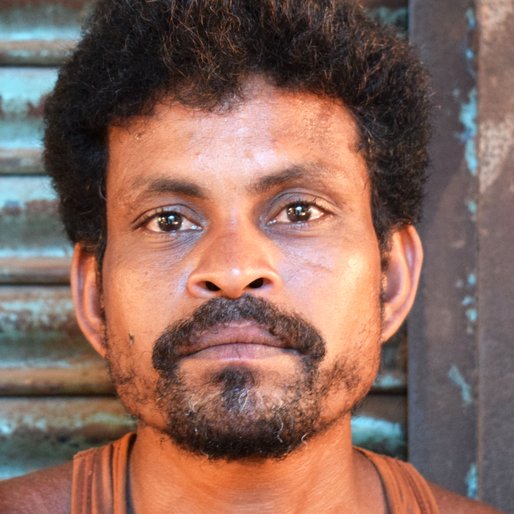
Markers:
241,351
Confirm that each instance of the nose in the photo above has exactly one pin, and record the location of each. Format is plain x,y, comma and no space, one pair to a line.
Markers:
234,264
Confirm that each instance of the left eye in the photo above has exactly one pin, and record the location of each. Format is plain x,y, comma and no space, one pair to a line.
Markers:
300,212
170,222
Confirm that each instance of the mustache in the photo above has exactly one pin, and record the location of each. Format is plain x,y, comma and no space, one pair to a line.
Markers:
294,331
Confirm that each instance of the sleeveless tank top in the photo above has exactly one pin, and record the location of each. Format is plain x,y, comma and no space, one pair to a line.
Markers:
99,484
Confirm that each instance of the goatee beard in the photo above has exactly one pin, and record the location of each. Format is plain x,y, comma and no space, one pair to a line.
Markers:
230,415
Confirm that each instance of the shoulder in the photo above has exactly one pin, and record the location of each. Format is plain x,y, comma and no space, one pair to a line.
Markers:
47,491
451,503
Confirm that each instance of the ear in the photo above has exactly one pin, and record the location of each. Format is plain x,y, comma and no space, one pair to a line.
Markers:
400,278
87,297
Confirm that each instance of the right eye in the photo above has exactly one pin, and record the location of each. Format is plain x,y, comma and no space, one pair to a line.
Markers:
168,221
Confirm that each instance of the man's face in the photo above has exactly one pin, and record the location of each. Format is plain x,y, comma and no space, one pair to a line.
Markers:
242,278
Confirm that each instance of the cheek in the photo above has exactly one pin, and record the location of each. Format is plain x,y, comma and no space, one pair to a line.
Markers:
334,287
142,296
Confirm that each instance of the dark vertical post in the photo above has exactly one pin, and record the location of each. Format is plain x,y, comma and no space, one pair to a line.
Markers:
496,253
442,328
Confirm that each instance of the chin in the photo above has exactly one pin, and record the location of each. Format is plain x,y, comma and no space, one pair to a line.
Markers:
240,414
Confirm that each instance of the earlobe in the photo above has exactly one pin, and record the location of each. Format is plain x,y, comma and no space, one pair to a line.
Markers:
400,278
87,298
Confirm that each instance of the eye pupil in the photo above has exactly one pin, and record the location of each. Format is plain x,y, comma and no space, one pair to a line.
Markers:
299,212
169,222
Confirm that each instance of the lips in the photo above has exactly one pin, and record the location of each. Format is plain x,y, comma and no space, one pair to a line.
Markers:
245,328
240,339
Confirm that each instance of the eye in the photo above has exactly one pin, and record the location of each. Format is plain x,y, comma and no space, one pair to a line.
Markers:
169,221
299,212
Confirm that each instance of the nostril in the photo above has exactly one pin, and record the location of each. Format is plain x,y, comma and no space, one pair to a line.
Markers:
256,283
211,286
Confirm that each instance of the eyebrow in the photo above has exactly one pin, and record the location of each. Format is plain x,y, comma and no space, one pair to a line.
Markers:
168,185
311,172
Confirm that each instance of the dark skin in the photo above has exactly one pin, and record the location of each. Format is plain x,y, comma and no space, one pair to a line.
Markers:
282,175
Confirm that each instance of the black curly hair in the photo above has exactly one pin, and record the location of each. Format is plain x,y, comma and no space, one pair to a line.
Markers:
200,52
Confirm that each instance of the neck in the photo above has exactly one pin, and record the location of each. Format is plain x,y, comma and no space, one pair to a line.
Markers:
325,475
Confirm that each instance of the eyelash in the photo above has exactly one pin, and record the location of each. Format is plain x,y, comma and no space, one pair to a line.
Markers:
165,211
292,202
143,222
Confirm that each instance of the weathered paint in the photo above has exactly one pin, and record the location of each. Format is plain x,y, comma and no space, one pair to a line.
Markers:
44,20
380,435
472,209
469,50
469,300
90,377
22,91
35,52
20,160
22,94
41,432
497,16
29,223
495,273
495,148
39,33
35,270
397,17
465,389
468,135
442,331
471,481
472,315
42,350
471,18
390,382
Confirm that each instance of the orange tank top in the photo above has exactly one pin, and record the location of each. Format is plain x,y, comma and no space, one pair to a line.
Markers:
100,481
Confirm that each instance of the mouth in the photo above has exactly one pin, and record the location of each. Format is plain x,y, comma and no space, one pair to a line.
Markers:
237,341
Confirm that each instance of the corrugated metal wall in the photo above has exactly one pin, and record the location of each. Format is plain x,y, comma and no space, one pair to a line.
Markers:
55,396
461,351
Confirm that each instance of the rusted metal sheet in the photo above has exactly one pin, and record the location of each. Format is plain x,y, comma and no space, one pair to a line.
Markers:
39,32
380,425
20,160
32,241
42,350
35,270
443,328
392,12
22,96
392,378
35,52
495,465
41,432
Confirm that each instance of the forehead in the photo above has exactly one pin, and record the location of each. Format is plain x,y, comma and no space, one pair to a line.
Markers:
268,129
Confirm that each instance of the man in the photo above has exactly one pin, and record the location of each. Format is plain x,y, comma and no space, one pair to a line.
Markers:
241,180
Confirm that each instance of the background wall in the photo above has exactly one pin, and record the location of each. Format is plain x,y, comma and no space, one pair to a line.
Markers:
55,395
461,344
